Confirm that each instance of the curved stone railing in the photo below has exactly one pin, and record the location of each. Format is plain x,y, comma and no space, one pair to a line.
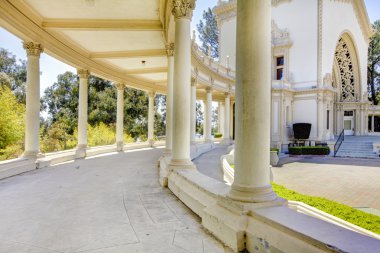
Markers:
228,176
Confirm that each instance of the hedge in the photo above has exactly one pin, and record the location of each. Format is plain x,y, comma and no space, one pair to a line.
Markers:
275,149
218,135
318,150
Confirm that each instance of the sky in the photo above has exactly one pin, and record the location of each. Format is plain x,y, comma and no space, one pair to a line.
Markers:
51,68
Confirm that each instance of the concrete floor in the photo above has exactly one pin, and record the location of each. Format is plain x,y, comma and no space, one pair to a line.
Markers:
112,203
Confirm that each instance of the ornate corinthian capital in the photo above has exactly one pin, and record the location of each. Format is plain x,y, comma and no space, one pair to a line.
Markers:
183,8
83,73
32,48
120,86
170,49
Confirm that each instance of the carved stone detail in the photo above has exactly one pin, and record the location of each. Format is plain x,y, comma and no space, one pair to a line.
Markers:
83,73
345,68
31,48
120,86
277,2
280,37
183,8
170,49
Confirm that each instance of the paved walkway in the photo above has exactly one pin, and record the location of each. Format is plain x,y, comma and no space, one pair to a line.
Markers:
354,182
107,204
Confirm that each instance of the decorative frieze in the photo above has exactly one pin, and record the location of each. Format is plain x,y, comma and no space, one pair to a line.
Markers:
183,8
31,48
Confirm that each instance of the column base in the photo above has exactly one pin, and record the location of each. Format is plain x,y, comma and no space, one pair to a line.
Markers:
32,154
163,166
180,164
226,141
81,151
119,146
252,194
167,152
151,142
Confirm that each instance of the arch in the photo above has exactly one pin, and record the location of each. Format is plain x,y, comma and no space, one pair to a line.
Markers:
346,70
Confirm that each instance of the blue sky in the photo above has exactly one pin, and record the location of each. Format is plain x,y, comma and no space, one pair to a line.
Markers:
51,68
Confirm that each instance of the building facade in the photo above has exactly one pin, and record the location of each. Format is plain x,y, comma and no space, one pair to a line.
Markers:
319,65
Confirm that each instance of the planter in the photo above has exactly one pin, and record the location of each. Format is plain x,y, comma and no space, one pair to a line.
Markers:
273,158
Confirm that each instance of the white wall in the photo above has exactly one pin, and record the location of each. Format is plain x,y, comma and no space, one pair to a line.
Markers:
339,17
300,18
227,42
307,104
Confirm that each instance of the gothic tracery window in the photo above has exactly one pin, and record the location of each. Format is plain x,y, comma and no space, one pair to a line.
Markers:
345,68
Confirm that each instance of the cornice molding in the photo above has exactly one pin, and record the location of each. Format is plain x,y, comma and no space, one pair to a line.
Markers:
129,54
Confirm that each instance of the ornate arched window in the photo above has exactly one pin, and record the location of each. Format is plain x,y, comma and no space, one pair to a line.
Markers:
348,90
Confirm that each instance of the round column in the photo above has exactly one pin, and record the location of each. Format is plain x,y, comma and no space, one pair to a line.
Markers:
227,105
193,113
182,11
169,99
253,103
208,116
120,117
82,112
32,124
151,118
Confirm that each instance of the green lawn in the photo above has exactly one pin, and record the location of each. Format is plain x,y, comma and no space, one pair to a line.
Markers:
362,219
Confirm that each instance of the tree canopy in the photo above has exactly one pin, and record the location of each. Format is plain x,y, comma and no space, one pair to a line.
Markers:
209,33
374,64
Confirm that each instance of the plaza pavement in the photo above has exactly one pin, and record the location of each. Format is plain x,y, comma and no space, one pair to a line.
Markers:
107,204
354,182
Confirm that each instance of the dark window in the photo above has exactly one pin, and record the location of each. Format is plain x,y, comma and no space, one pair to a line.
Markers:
279,67
328,119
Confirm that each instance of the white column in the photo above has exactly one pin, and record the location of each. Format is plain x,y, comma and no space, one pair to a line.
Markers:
253,102
169,99
193,113
208,115
221,119
82,112
32,124
227,104
320,118
120,117
151,117
182,11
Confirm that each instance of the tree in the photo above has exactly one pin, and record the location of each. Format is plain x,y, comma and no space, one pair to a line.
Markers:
199,117
209,33
374,64
16,71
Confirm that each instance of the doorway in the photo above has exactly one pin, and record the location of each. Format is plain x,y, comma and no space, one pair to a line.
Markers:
349,123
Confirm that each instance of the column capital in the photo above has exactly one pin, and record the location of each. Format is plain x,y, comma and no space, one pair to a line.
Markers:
193,81
83,73
120,86
170,49
183,8
32,48
209,89
151,93
227,94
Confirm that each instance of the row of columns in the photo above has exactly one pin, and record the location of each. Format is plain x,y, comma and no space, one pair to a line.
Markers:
253,99
253,84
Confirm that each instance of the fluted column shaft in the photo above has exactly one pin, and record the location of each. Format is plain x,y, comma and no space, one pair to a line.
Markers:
193,113
120,117
82,111
169,99
151,118
182,11
253,102
208,116
227,105
32,126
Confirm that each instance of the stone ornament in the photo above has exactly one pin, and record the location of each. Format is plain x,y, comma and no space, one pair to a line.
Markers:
170,49
31,48
183,8
120,86
277,2
83,73
345,68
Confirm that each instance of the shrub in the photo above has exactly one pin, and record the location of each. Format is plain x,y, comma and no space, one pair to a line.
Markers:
309,150
218,135
275,149
100,134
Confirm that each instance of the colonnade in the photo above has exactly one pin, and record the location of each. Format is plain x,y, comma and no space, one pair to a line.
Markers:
252,101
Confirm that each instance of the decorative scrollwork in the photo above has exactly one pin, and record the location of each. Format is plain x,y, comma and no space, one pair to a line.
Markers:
183,8
345,68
